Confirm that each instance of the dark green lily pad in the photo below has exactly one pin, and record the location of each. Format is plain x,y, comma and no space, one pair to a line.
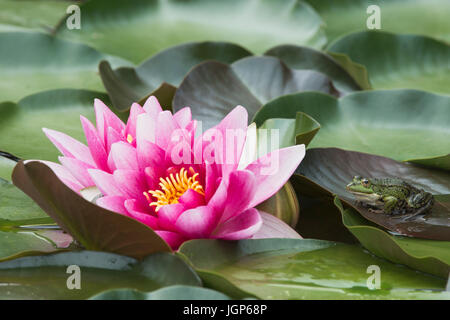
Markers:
429,256
137,29
406,125
126,85
178,292
46,277
94,227
398,16
21,124
399,61
304,58
332,169
31,62
213,89
304,269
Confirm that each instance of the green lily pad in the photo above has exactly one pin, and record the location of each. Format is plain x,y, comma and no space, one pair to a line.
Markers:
14,244
304,58
6,168
212,89
332,169
94,227
429,256
399,61
137,29
31,62
305,269
17,208
406,125
127,85
178,292
21,124
399,16
26,15
46,277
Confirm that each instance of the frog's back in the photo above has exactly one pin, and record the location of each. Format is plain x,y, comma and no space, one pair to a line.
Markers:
393,187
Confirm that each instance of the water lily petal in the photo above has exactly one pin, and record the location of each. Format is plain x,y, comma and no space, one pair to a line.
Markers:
105,119
174,240
165,126
79,170
273,227
69,147
152,107
124,156
168,215
183,117
273,170
149,154
197,222
130,130
105,182
240,192
135,210
132,183
96,146
145,128
113,137
242,226
64,175
113,203
191,199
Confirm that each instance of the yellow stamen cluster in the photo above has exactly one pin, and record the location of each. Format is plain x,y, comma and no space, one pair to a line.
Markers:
130,138
173,187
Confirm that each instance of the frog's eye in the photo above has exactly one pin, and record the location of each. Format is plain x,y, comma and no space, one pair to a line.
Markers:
365,182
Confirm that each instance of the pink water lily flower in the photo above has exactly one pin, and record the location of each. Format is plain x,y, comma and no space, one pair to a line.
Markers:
155,169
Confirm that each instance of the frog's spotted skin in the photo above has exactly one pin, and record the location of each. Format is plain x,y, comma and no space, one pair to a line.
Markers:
390,195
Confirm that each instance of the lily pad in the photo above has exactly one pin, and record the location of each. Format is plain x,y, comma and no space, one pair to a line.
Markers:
429,256
6,167
332,169
94,227
303,58
126,85
399,16
305,269
31,62
178,292
47,277
31,15
399,61
406,125
213,89
137,29
21,124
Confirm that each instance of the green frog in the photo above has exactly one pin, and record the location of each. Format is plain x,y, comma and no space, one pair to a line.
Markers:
390,195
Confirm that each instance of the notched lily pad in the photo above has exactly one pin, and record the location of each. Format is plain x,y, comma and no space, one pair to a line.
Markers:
346,78
137,29
304,269
431,256
332,169
93,227
126,85
48,276
406,125
397,61
213,89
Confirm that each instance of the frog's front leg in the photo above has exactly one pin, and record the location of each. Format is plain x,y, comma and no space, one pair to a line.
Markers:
389,203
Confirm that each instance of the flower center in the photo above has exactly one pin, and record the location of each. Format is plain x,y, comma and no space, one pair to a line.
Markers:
173,187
